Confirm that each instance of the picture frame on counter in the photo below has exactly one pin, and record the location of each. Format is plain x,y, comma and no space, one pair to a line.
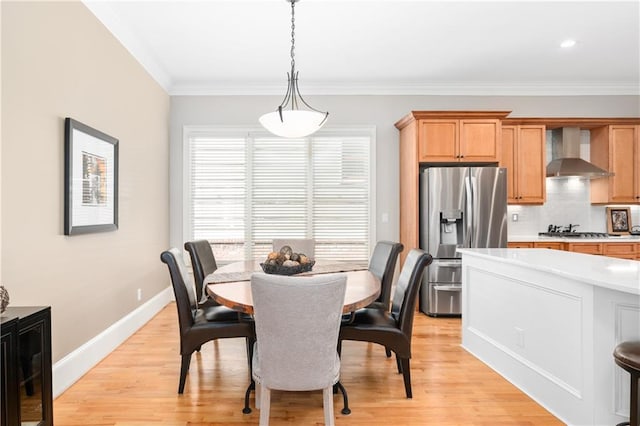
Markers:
618,220
90,180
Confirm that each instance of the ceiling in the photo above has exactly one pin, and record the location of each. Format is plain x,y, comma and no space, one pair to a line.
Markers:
231,47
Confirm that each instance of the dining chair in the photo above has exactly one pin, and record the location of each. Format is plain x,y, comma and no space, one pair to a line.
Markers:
383,265
392,329
194,327
306,246
296,341
203,263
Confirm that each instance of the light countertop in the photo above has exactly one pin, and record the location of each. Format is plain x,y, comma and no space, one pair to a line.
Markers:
538,238
607,272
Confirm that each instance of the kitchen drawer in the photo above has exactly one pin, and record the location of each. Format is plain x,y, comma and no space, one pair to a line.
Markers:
588,248
520,244
553,245
612,249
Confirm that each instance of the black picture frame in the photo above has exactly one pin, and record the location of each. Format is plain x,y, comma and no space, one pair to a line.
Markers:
90,179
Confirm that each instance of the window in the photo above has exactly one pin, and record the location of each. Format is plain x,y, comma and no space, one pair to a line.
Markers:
243,189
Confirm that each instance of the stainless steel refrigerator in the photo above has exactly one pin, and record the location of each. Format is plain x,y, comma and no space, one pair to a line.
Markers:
459,207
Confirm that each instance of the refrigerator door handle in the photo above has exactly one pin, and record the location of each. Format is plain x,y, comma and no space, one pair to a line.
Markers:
468,220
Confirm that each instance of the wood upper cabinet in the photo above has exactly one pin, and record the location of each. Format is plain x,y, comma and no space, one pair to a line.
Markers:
440,137
459,140
616,148
523,155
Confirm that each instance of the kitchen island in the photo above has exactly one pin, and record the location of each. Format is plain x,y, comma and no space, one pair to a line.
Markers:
548,322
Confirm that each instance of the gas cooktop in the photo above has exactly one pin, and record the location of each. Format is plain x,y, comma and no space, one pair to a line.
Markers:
574,234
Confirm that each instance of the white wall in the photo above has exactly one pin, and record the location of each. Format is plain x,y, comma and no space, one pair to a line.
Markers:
379,111
58,60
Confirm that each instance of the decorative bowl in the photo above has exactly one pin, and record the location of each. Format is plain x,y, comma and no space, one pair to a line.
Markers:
287,270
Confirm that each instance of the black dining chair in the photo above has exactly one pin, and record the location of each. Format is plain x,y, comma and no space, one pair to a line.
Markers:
195,329
392,329
383,265
203,263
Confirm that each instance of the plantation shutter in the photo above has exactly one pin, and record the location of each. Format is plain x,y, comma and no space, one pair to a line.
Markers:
246,189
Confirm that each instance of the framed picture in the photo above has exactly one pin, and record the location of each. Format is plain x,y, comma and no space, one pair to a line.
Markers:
90,179
618,220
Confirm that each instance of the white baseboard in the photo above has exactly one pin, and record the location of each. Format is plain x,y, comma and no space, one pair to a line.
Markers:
73,366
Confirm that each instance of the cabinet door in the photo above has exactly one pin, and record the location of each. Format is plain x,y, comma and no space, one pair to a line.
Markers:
479,140
623,158
553,245
10,412
508,161
520,244
531,164
438,141
589,248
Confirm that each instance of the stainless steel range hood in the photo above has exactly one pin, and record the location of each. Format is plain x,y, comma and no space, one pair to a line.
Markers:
565,156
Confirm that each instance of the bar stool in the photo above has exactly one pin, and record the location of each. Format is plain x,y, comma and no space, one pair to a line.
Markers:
627,356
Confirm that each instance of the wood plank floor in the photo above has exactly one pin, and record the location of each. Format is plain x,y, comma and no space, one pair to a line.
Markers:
137,385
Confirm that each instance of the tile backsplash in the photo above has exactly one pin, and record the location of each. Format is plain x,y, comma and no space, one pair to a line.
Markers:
568,201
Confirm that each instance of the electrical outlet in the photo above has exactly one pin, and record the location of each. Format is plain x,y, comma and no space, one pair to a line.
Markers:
139,294
514,217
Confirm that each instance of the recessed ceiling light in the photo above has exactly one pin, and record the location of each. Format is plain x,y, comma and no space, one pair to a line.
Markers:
568,43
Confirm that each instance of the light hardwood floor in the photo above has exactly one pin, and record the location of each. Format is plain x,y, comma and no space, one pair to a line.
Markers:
137,385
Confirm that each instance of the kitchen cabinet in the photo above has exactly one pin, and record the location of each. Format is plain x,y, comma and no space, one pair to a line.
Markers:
622,250
616,148
553,245
588,248
439,137
459,141
524,157
27,396
520,244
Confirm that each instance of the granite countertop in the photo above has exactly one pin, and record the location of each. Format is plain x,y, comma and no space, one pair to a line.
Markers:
538,238
602,271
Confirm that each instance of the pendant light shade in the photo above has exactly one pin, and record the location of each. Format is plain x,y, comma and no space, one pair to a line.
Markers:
294,118
294,123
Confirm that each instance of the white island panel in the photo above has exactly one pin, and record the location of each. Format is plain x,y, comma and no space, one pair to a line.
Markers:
548,322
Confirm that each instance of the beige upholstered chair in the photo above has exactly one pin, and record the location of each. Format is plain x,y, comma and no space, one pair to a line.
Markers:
306,246
297,323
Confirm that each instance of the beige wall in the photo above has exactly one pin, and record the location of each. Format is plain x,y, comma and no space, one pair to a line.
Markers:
58,61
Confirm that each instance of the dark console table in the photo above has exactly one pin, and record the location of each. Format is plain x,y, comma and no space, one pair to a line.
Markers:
26,366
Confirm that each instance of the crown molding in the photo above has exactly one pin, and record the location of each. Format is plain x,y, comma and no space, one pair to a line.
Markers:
418,89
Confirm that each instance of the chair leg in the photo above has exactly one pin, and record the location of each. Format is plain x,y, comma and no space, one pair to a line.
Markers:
250,342
339,347
406,374
398,364
388,352
265,405
184,369
252,386
345,398
327,403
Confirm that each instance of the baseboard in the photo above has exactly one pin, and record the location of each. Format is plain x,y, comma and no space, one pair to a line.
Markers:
73,366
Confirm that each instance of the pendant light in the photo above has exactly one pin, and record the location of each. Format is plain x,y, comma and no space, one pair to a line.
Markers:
289,120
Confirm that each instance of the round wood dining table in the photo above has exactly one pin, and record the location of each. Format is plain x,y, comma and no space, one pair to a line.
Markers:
235,292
